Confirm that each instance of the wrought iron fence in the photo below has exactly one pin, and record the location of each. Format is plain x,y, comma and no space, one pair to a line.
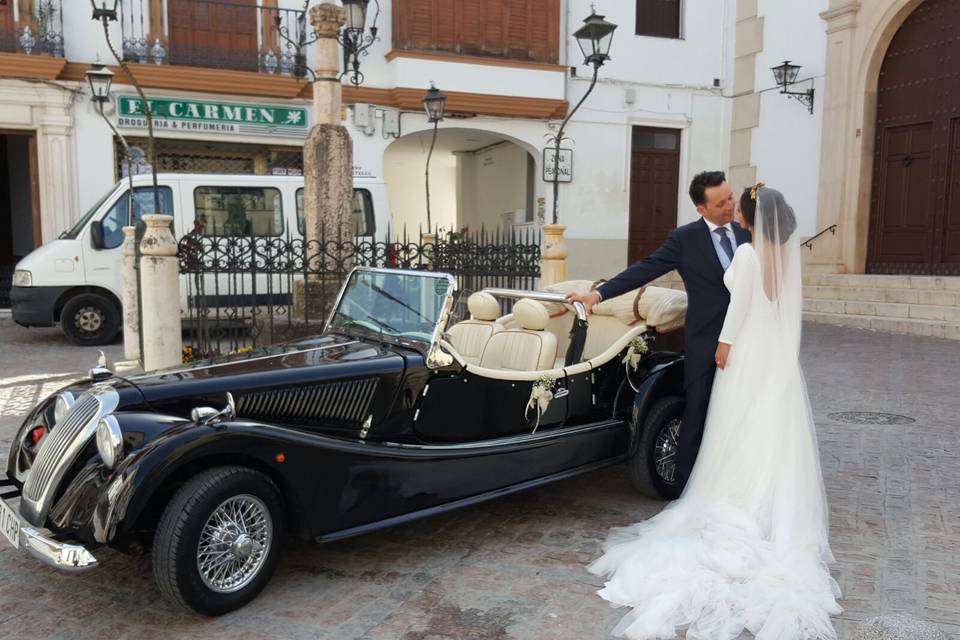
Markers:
243,292
215,33
39,34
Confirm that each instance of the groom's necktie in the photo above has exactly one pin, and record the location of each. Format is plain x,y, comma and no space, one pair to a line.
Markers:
724,241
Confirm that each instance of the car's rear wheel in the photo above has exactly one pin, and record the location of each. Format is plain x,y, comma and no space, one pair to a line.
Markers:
218,541
90,319
653,468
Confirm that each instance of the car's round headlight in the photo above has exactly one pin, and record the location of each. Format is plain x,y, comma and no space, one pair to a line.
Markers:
109,441
63,403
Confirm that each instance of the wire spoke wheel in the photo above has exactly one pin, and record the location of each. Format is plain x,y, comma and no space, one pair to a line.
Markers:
665,451
234,543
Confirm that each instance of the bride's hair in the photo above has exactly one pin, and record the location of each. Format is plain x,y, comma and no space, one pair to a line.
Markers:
779,218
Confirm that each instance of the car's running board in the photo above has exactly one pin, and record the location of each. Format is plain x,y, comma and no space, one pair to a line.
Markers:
466,502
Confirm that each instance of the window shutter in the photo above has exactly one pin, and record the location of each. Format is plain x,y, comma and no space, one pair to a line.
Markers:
658,18
471,27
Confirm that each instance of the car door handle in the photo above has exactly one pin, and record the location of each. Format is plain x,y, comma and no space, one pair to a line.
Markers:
562,393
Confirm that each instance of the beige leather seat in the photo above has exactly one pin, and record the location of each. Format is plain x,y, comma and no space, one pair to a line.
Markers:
529,348
470,337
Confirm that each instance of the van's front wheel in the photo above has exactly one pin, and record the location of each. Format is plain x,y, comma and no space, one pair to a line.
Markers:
90,319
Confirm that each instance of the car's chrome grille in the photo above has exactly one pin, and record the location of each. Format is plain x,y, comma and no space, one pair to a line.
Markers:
341,402
56,444
60,448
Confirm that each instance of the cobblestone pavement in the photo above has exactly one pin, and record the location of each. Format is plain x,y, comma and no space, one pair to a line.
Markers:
514,568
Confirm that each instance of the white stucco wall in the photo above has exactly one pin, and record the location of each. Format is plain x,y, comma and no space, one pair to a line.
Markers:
786,145
493,182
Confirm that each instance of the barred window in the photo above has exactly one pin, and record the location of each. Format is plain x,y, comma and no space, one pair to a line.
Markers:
660,18
239,211
364,222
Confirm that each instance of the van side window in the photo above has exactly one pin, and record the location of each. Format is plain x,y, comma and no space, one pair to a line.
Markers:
117,218
364,222
238,211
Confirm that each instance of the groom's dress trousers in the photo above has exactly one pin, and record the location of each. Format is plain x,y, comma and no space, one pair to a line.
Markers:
700,257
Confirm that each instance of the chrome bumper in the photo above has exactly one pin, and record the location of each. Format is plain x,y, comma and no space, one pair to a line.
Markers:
60,555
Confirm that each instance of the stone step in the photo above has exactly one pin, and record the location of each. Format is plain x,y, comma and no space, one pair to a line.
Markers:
917,327
949,283
884,309
937,297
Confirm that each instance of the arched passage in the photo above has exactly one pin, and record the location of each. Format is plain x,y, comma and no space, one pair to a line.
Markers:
478,178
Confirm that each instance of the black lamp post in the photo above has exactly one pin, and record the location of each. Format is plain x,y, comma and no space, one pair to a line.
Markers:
786,75
433,102
594,37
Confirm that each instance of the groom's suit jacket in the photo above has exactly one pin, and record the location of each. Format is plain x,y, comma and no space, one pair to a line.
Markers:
690,250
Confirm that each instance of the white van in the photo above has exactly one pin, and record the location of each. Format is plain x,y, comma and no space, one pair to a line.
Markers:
76,279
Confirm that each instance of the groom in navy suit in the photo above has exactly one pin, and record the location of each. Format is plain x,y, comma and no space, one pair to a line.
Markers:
701,252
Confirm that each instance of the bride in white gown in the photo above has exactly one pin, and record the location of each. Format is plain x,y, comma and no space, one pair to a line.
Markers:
745,546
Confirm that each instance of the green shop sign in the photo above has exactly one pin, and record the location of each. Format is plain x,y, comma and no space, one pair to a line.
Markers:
213,117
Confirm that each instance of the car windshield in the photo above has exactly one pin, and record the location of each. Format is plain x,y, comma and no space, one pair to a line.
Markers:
394,304
73,231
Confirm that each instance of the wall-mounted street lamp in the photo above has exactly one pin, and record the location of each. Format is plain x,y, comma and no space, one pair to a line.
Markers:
594,36
434,103
100,80
785,76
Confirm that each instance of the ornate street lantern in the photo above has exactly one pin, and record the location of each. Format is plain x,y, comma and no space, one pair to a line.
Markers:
434,103
102,12
100,78
785,75
356,11
595,37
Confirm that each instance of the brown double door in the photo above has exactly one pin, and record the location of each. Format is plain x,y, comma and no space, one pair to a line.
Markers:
654,186
221,33
915,203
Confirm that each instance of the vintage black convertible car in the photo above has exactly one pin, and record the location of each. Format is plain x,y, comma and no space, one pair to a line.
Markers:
381,419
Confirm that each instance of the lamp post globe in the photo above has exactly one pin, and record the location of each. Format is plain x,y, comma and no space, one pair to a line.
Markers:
104,13
356,11
434,103
594,38
100,80
786,73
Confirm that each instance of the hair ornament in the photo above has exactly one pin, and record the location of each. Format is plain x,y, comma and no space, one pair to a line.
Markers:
753,191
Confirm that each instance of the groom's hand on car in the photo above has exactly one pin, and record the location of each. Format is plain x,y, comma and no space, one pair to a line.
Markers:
587,299
723,352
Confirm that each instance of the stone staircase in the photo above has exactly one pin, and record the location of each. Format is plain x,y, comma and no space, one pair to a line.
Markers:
916,305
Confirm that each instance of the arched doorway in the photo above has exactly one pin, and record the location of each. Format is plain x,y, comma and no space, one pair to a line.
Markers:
915,198
478,180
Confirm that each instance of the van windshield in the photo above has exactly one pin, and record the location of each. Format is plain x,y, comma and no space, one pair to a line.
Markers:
75,230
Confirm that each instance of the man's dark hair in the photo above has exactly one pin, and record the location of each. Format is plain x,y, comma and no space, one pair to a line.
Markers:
700,183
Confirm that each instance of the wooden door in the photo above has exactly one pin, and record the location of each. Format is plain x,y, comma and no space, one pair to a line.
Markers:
8,36
915,200
214,34
654,188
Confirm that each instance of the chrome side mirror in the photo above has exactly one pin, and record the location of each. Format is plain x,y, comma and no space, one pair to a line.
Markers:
206,415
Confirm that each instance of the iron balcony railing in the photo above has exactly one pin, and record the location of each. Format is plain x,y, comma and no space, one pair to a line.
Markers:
222,34
38,34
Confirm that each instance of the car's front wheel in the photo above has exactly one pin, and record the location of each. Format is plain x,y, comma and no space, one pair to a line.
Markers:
653,468
218,540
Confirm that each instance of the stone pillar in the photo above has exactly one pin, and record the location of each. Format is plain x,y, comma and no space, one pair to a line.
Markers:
159,275
553,259
839,182
131,311
327,165
428,239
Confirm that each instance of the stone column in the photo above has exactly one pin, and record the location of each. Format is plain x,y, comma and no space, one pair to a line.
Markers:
159,275
131,311
836,200
327,167
553,259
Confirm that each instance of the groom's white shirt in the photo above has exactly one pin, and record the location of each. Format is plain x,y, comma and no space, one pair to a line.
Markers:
724,260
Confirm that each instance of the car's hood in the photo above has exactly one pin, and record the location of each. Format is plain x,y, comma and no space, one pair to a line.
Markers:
304,361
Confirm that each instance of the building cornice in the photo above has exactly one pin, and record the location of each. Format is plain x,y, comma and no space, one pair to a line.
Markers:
841,17
456,58
31,67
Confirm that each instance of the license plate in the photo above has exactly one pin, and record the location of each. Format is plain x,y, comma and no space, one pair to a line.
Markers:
10,524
